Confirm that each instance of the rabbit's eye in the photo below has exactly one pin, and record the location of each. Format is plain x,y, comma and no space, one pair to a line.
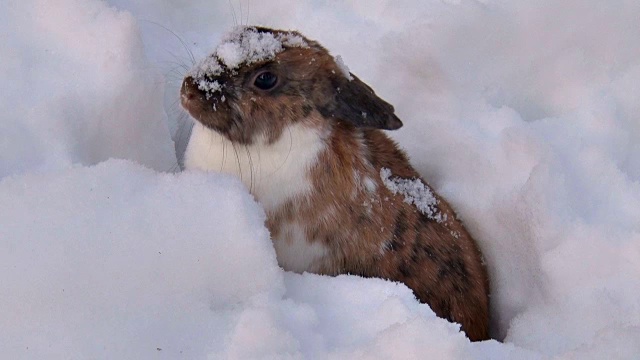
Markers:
265,80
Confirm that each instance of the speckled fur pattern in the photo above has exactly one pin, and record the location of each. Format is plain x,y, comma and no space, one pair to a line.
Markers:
345,220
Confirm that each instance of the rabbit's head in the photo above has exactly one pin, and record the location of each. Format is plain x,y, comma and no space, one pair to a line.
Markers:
259,81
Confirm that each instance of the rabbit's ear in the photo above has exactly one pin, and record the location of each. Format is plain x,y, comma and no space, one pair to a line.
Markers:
355,102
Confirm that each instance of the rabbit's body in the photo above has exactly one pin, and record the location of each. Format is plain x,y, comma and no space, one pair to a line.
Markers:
339,195
275,174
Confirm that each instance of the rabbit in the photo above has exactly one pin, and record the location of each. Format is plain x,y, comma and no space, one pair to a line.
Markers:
275,109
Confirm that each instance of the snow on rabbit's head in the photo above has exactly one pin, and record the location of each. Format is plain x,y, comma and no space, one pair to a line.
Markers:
259,81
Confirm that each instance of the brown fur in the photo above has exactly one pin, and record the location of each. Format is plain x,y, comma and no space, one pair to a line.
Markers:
370,231
379,235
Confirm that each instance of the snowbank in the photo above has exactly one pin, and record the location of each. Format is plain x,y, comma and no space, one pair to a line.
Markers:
116,261
524,115
79,89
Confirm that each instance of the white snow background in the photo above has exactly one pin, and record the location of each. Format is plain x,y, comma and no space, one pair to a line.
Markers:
525,115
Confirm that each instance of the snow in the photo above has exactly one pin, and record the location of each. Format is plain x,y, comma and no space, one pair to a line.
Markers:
242,46
94,255
70,100
414,192
344,69
523,115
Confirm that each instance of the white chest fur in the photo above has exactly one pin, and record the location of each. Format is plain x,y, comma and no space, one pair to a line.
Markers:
296,253
274,173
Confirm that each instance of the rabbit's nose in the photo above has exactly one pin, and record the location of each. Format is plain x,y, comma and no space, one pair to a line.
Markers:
191,97
189,90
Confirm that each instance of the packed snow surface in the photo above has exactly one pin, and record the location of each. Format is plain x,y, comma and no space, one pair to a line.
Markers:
522,114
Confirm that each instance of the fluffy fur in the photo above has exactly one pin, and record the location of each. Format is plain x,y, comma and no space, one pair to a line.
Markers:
274,172
311,152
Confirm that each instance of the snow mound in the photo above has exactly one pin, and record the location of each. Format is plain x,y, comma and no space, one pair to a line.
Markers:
116,261
81,89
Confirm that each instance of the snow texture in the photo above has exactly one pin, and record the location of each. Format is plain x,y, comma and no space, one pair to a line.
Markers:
522,114
415,192
243,46
343,68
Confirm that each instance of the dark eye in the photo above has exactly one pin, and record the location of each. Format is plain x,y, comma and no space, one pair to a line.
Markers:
266,80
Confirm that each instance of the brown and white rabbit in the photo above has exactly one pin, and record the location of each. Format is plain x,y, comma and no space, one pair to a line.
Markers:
278,111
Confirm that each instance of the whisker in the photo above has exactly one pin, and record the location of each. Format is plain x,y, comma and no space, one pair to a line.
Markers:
175,72
248,9
173,77
246,148
177,109
177,63
224,154
184,44
288,152
185,125
211,140
233,13
181,136
237,159
259,172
